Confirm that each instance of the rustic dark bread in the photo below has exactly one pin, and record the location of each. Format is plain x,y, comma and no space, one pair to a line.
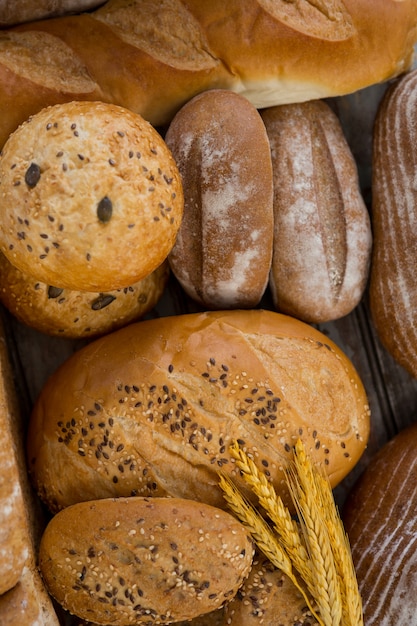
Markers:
144,560
12,13
151,409
154,57
379,518
222,254
23,597
322,232
77,314
392,292
91,198
267,598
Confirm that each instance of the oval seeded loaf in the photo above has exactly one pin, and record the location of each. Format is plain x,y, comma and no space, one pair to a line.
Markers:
144,561
152,409
380,519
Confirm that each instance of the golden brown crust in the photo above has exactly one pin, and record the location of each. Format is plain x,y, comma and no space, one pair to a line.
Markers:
86,188
76,314
164,398
393,294
223,251
142,561
27,10
322,232
271,52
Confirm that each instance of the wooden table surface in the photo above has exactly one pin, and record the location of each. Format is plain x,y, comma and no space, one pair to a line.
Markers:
391,391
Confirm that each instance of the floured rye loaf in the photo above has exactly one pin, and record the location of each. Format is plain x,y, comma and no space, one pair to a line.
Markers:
392,292
380,519
144,560
322,232
90,197
223,251
152,409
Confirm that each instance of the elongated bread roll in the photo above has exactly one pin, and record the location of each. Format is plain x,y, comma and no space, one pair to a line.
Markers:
152,409
144,560
322,231
379,518
223,251
154,57
393,293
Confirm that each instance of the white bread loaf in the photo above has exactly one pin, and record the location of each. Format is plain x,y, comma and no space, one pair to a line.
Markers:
131,561
90,197
153,408
223,251
380,520
322,232
153,57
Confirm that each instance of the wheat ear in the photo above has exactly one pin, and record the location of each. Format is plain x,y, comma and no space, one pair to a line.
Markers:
262,534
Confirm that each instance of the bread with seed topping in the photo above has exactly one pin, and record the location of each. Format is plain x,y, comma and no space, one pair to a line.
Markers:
144,560
90,197
153,408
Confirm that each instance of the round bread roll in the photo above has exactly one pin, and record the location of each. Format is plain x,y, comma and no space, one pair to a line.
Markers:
322,230
267,598
379,517
152,409
77,314
144,561
222,255
90,197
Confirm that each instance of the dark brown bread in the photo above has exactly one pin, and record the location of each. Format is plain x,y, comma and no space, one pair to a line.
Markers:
322,232
152,409
380,520
154,57
393,293
144,560
222,254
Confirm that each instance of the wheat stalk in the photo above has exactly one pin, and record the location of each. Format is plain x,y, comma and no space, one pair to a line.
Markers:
320,553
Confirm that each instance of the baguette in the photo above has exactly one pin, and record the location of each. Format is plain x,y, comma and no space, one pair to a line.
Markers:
153,58
152,409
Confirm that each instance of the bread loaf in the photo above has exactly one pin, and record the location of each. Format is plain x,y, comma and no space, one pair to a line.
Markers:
23,597
222,254
322,233
144,560
393,293
152,409
12,13
379,518
90,197
154,57
75,314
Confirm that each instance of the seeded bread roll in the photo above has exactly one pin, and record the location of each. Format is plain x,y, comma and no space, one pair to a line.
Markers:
322,231
222,255
152,409
379,518
153,57
141,561
77,314
267,598
90,197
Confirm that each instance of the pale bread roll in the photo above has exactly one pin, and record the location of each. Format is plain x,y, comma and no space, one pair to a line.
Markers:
153,408
90,197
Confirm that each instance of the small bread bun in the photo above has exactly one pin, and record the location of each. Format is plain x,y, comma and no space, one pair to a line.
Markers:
152,409
91,198
322,230
77,314
141,561
222,255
